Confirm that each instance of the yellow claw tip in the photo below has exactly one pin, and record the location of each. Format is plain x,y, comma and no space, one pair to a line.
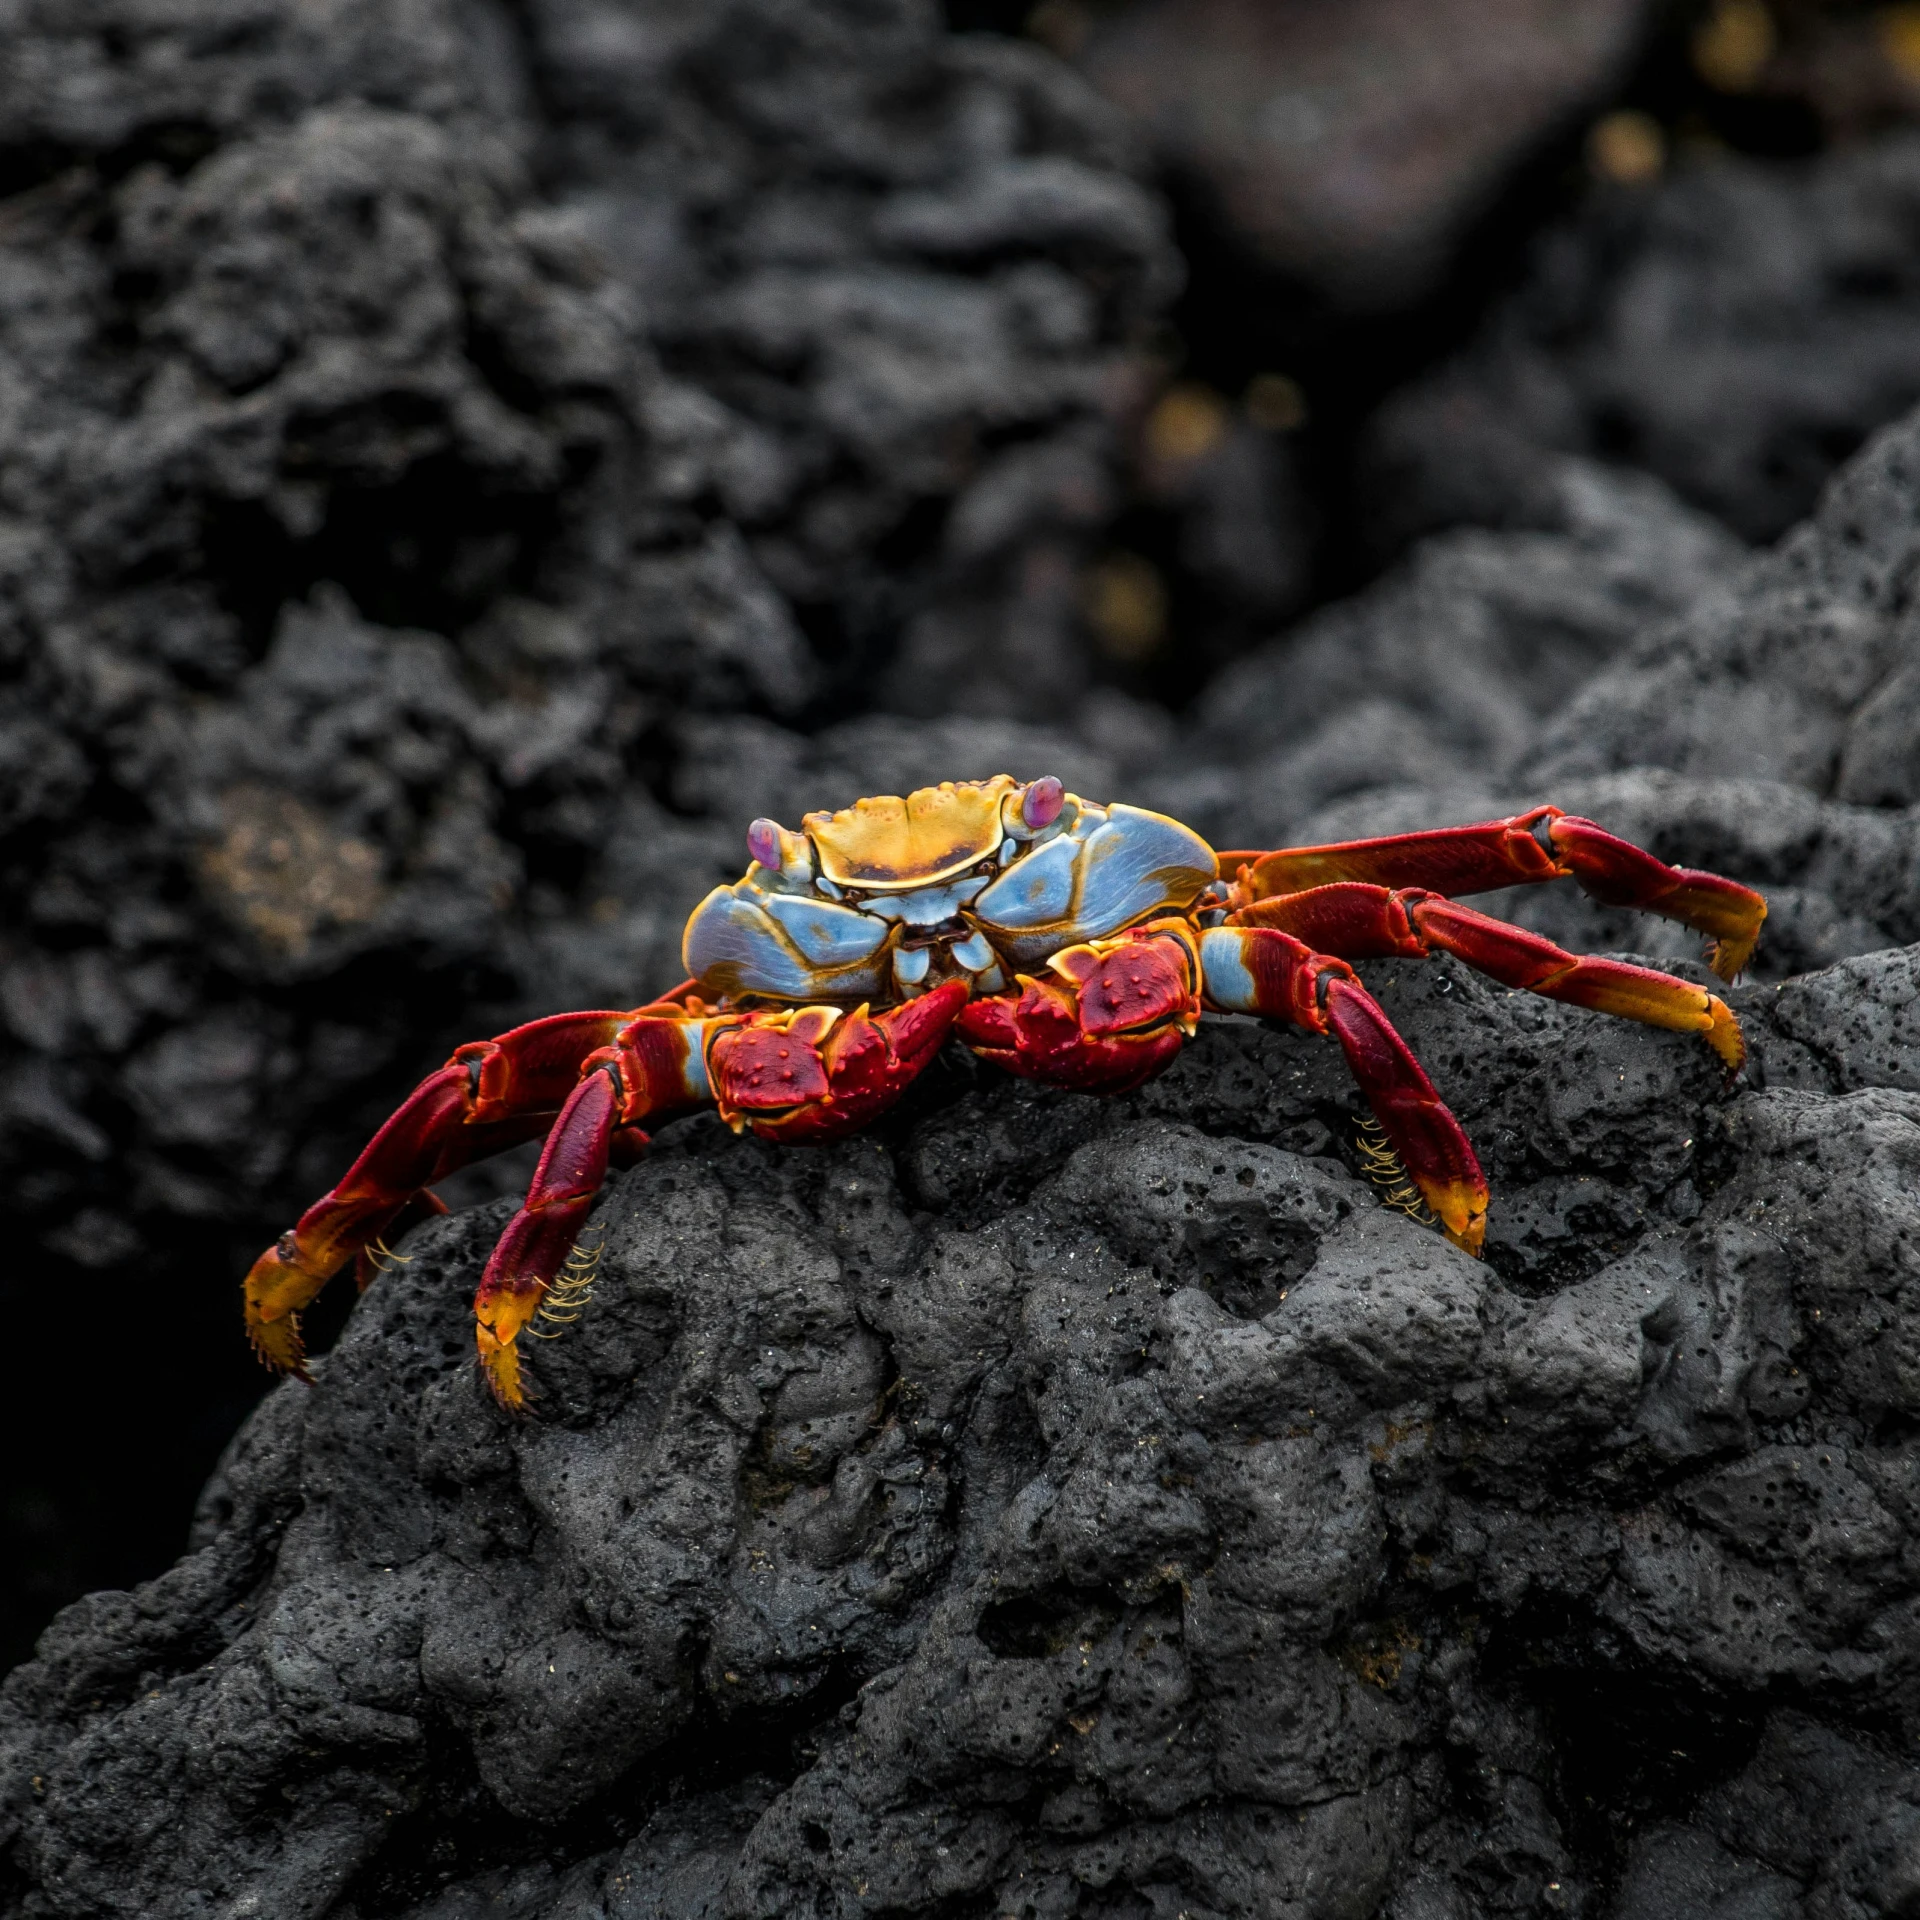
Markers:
1462,1212
501,1364
277,1344
1723,1034
1728,956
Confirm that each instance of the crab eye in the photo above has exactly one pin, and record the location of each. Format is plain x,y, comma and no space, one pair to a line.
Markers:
1041,803
763,843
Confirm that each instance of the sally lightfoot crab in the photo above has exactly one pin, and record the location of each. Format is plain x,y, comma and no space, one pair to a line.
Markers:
1071,943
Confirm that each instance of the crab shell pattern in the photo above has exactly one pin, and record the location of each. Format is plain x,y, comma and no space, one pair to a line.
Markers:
976,883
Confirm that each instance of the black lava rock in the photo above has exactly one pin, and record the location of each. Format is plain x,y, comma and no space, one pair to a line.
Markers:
419,421
1059,1506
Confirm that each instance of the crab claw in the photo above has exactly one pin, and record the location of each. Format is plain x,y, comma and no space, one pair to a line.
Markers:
814,1073
278,1285
1117,1012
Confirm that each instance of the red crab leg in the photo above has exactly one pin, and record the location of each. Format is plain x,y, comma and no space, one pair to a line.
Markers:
491,1095
1262,970
806,1073
1362,921
655,1066
1544,844
1116,1013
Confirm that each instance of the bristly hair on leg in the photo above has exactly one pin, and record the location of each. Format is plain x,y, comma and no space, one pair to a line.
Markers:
570,1293
1386,1173
384,1258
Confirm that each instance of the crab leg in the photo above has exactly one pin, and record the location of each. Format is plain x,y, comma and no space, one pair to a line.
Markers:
1253,969
805,1073
491,1095
1544,844
656,1065
1365,922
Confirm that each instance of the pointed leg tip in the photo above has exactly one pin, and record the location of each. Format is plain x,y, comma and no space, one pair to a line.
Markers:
1723,1034
1730,955
277,1346
501,1366
1468,1238
1727,959
1462,1213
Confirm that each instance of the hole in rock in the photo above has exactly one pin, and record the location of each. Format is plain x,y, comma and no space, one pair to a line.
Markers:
1036,1626
1633,1744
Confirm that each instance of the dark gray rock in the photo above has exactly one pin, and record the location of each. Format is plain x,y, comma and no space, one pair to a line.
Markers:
1066,1506
1245,519
1352,146
420,421
373,513
1738,330
1447,666
1768,680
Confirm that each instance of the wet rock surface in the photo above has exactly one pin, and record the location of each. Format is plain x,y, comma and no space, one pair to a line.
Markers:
1058,1506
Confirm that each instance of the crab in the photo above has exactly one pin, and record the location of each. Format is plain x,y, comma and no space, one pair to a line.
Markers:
1072,943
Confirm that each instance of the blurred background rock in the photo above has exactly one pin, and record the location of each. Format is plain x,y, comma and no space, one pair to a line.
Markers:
460,461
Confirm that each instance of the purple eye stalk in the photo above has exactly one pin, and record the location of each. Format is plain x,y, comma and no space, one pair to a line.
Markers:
1041,803
763,844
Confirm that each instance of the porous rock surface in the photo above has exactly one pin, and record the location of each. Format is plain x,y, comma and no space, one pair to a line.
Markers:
1053,1506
